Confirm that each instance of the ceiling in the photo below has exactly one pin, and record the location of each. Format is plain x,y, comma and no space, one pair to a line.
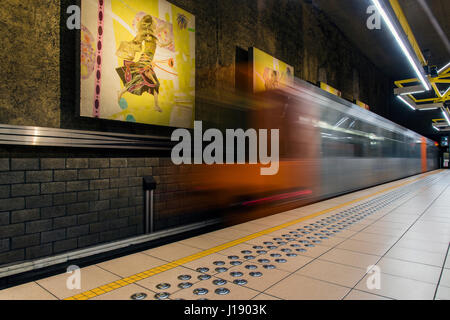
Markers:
378,45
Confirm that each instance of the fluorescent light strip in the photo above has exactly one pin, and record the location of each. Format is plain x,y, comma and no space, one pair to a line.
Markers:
413,92
425,109
446,116
435,128
444,68
406,102
400,43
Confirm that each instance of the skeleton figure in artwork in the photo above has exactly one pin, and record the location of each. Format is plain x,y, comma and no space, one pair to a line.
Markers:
138,74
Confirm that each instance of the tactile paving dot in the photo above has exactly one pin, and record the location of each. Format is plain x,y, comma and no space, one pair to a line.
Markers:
202,269
291,255
162,295
222,291
184,277
139,296
263,260
269,266
220,282
246,252
200,291
185,285
219,263
268,243
163,286
261,252
235,263
258,247
240,282
204,277
233,257
271,247
251,267
221,269
236,274
281,260
256,274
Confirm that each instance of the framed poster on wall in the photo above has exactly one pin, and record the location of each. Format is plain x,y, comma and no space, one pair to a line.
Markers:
137,62
268,72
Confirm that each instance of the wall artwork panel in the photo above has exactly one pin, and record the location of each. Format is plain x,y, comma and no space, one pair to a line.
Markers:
268,72
138,62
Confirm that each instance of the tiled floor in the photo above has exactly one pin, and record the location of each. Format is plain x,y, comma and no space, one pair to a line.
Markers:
386,242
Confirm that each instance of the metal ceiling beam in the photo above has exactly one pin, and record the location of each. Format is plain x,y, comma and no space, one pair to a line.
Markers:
407,29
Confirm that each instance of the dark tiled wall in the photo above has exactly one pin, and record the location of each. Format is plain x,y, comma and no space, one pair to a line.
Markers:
53,205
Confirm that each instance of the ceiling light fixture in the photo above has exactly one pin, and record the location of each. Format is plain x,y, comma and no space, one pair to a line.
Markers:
406,102
444,112
444,68
401,44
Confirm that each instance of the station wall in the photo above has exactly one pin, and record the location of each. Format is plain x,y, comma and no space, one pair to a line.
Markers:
54,200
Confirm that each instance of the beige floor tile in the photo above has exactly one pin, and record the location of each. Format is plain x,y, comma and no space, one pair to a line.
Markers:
91,278
228,233
445,279
274,220
350,258
443,293
399,288
28,291
364,247
204,242
208,262
297,287
410,270
385,231
251,227
235,292
375,238
125,293
260,283
290,264
259,241
430,246
263,296
172,251
169,277
361,295
427,237
418,256
240,250
332,272
132,264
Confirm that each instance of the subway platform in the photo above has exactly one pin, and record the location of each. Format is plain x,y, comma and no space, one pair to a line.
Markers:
387,242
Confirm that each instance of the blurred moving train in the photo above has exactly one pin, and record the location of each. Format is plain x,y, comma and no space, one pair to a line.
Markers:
328,147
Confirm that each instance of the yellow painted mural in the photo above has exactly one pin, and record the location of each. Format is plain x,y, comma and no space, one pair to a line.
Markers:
138,62
270,73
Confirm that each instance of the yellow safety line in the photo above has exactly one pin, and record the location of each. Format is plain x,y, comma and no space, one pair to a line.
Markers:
146,274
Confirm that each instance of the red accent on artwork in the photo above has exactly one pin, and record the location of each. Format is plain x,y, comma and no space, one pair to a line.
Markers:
98,66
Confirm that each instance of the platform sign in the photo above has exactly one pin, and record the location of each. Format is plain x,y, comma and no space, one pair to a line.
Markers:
330,89
444,141
362,105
